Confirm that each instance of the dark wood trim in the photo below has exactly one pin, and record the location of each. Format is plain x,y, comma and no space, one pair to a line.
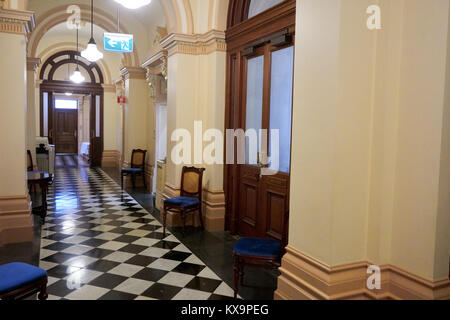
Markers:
38,286
74,57
93,88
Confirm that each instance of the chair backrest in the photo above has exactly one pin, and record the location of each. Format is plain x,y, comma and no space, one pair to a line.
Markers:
30,166
138,158
192,182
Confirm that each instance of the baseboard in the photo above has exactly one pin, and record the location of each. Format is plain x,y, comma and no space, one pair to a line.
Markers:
111,159
303,277
16,222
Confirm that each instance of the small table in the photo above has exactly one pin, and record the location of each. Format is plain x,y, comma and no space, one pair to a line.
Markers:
42,179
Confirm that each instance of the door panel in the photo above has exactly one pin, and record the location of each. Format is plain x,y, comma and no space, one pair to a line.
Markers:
66,127
275,195
248,204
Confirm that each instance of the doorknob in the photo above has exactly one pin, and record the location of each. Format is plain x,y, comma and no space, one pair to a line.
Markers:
75,134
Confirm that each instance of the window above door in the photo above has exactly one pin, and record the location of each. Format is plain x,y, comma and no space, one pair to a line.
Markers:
258,6
70,104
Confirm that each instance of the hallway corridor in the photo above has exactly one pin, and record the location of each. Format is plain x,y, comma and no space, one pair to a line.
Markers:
99,243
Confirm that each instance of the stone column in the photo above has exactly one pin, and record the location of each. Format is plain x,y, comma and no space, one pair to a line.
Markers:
136,134
15,219
32,65
370,172
196,92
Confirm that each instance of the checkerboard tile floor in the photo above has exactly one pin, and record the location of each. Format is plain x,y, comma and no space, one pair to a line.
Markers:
99,243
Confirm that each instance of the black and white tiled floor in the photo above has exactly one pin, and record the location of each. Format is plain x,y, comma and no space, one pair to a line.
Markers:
99,243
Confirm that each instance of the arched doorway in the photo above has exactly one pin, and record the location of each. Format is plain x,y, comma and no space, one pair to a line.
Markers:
260,60
51,86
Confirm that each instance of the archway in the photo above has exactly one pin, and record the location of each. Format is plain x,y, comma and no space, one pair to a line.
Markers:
50,87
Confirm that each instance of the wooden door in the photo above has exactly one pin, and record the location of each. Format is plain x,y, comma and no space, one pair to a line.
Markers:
266,106
66,130
96,130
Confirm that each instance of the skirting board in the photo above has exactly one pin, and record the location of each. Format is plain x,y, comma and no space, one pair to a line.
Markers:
305,278
16,222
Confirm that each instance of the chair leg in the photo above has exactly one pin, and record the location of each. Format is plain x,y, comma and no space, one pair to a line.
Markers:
145,183
164,220
201,216
237,274
43,295
183,217
133,180
121,180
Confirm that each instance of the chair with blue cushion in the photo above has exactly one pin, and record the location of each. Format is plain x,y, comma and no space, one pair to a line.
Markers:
137,167
190,199
21,280
256,252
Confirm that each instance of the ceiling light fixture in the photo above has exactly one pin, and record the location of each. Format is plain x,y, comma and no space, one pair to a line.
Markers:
91,53
133,4
77,77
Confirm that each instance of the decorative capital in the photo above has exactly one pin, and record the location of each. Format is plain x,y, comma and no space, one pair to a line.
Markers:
133,73
16,21
33,63
197,44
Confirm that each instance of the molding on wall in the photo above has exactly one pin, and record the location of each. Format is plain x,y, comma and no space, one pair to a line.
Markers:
111,159
197,44
155,60
214,210
16,222
133,73
16,21
305,278
109,88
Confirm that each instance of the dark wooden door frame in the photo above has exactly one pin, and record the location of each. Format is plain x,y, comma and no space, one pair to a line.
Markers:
93,87
244,36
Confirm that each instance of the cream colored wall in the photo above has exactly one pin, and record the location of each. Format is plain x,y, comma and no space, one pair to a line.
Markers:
136,113
13,116
111,121
369,135
200,11
418,242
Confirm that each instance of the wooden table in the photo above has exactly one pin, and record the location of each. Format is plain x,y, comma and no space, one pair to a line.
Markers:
42,179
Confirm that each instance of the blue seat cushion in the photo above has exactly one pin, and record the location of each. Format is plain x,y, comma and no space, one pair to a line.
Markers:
14,275
132,170
258,247
182,201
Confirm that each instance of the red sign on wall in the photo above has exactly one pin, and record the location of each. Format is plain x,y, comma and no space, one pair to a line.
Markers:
121,99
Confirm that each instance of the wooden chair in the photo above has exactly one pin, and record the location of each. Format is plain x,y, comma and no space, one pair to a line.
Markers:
258,252
30,166
20,280
137,167
190,199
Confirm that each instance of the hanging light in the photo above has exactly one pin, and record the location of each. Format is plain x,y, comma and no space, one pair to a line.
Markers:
69,94
77,77
91,53
133,4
